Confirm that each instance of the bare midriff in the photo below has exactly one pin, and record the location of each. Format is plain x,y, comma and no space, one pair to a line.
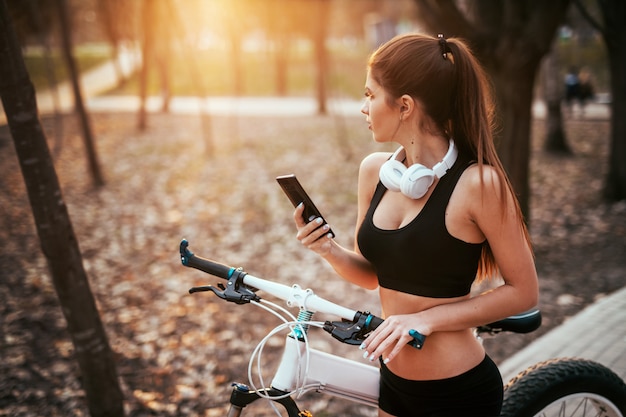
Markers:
444,355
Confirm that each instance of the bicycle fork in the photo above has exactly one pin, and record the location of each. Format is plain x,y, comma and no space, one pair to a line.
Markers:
241,396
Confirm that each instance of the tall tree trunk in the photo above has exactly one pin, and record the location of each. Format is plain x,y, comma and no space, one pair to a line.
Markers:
321,53
38,22
180,33
147,52
108,20
58,241
514,103
92,157
614,12
614,34
277,28
552,94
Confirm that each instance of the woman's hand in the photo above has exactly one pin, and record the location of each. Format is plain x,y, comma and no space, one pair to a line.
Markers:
392,336
313,235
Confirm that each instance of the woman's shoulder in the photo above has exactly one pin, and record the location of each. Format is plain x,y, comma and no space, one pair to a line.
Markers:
373,162
368,173
484,185
477,176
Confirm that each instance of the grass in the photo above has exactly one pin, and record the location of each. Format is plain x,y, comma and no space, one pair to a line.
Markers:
37,63
213,71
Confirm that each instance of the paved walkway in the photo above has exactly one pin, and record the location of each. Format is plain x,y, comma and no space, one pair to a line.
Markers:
597,333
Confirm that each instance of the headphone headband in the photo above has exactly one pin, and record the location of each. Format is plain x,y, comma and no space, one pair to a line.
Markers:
448,160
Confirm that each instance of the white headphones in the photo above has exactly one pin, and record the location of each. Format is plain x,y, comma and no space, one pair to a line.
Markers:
415,180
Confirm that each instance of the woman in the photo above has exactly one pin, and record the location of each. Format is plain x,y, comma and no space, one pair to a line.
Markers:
424,244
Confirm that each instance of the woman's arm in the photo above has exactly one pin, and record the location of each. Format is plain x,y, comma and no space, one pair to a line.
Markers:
349,264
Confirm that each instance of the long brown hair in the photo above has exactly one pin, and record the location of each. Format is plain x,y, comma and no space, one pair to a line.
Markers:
455,92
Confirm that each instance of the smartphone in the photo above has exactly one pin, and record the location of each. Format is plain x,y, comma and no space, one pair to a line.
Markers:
296,194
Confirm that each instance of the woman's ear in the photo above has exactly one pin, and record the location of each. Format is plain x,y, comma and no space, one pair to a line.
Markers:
407,106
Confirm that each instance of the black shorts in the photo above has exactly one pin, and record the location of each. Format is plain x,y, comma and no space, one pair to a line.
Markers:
476,393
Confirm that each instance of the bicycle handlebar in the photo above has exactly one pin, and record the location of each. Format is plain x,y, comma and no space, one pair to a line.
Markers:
241,288
294,295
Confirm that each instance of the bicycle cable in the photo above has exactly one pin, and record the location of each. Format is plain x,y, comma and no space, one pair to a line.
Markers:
300,386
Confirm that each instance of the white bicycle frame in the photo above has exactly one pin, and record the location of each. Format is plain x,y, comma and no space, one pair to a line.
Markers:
330,374
313,369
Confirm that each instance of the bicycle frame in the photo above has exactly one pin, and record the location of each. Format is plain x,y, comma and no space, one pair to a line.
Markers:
327,373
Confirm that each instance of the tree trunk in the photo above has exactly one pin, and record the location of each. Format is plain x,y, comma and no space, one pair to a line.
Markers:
92,157
58,241
321,53
108,21
552,93
147,52
614,13
514,103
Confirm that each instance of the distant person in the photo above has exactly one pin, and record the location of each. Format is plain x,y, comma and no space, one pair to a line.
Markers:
585,89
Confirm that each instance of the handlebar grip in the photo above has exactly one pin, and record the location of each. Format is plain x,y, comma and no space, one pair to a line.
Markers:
205,265
372,322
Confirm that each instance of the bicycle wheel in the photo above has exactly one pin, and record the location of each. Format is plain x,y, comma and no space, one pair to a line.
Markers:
565,388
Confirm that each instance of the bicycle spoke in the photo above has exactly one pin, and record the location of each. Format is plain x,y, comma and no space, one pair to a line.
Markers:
577,406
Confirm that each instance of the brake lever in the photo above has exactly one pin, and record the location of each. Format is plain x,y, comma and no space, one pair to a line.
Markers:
350,332
355,331
235,291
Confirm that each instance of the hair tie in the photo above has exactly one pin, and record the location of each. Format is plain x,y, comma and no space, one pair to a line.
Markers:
443,44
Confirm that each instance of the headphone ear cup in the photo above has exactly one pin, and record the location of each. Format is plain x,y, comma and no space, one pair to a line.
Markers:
416,180
391,173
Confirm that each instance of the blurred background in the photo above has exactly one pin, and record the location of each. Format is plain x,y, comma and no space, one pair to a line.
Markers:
247,47
165,119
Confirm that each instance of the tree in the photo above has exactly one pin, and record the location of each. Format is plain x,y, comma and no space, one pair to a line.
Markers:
552,85
510,38
614,33
92,157
321,53
58,241
109,10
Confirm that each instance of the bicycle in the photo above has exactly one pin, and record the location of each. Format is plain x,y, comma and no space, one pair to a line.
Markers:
560,387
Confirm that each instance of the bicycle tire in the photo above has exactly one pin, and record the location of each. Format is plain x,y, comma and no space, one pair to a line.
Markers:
565,387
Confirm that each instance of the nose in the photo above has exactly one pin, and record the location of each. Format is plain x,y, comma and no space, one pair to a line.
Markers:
365,109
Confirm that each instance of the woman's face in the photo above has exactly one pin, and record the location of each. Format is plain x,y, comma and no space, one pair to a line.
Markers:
383,120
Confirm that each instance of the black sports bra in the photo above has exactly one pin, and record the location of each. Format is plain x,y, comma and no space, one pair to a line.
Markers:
422,258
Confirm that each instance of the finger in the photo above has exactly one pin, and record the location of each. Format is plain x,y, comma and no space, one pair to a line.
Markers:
378,342
401,344
297,215
312,233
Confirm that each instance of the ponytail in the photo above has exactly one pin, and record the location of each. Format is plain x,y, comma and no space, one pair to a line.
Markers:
473,115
